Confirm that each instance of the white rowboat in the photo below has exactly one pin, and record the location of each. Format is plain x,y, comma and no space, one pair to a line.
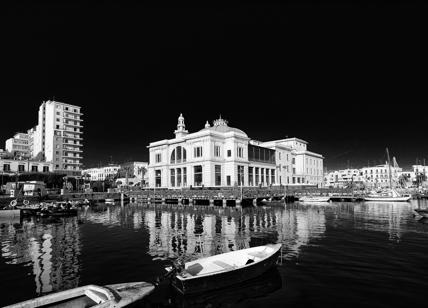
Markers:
314,199
225,269
115,295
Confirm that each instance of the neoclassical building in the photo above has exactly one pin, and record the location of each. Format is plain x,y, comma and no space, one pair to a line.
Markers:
220,155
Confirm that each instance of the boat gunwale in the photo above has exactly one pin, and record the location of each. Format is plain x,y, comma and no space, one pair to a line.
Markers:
276,248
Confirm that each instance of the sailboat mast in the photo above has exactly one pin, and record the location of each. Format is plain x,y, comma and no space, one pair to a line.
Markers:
389,166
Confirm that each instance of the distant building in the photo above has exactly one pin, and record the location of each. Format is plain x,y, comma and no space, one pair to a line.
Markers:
20,166
379,175
101,173
420,169
19,145
343,178
58,136
136,169
221,155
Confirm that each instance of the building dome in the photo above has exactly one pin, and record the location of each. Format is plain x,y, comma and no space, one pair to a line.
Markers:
220,125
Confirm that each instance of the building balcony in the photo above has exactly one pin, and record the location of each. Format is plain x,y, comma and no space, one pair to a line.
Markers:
68,116
67,149
67,136
72,124
71,163
72,112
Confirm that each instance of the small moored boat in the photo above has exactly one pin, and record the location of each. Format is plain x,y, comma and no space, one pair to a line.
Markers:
390,195
273,202
422,212
315,199
115,295
225,269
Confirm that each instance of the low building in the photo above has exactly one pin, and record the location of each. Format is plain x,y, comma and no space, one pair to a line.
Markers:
101,173
220,155
379,175
19,145
136,169
343,178
20,166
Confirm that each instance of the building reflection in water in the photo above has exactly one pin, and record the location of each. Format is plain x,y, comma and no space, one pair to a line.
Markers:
198,231
389,217
52,250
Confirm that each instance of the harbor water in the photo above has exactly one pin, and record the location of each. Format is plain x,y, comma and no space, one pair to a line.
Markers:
336,254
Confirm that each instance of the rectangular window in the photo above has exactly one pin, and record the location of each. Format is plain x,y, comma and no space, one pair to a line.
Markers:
240,175
21,168
185,176
272,176
34,168
178,177
240,152
158,157
172,177
229,153
158,178
197,152
250,176
257,176
228,180
197,171
45,168
293,160
262,176
267,176
217,175
217,151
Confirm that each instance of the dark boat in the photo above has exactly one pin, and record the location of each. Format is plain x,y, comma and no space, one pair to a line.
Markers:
273,202
422,212
236,295
57,212
225,269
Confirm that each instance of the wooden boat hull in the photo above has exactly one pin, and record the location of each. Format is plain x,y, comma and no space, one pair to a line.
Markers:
225,278
116,295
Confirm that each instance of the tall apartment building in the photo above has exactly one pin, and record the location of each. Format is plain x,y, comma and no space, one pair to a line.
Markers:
58,136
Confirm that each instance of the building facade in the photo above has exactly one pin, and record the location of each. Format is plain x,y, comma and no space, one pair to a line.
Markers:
11,166
343,178
19,145
220,155
58,136
101,173
137,169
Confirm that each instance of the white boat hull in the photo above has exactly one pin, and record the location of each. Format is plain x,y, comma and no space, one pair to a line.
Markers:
225,269
388,199
116,295
314,199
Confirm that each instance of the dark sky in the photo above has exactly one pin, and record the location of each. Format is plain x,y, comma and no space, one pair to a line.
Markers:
350,79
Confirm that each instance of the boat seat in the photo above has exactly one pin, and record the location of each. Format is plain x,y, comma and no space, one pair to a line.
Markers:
223,264
257,254
194,269
96,296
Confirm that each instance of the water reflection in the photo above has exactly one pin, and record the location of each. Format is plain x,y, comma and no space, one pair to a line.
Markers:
199,232
50,249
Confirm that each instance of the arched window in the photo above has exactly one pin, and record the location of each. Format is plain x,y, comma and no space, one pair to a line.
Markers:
178,155
173,157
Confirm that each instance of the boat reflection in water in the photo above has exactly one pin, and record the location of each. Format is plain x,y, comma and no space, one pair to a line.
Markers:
232,296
